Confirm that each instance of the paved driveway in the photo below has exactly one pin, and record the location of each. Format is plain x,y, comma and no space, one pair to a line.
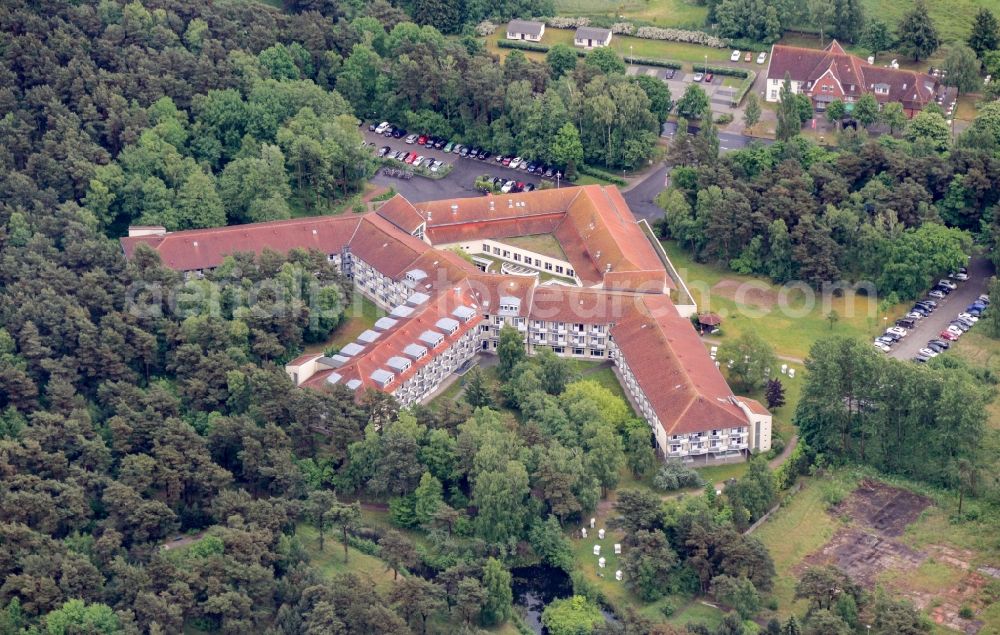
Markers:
980,270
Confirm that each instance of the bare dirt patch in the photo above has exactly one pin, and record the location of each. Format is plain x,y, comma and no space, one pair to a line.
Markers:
867,549
746,293
887,510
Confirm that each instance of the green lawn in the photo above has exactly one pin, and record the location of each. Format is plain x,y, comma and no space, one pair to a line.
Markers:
667,13
983,351
799,528
789,319
624,45
330,561
360,315
544,244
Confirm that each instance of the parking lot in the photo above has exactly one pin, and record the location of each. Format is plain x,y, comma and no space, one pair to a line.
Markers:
928,328
719,96
459,183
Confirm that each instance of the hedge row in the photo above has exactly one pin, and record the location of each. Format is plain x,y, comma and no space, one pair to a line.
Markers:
744,88
524,46
723,70
601,174
542,48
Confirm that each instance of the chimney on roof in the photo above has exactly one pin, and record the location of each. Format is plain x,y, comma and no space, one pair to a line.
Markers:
608,269
492,206
510,203
454,208
428,216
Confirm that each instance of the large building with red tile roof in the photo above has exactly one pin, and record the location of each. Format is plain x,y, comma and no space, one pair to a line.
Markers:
582,279
833,74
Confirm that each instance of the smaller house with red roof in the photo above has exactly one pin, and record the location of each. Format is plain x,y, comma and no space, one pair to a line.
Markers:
832,74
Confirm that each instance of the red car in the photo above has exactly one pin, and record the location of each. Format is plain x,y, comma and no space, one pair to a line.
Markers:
411,158
506,160
708,78
422,139
948,335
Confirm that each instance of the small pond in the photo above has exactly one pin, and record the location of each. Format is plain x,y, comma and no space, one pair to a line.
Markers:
536,586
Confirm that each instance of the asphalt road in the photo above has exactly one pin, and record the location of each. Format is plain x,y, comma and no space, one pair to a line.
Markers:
980,270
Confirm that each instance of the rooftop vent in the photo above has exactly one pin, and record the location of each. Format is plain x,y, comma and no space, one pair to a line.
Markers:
454,208
385,323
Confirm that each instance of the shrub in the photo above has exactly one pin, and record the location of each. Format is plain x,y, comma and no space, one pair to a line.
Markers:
675,475
566,23
623,28
966,612
668,608
600,174
725,118
524,46
485,28
680,35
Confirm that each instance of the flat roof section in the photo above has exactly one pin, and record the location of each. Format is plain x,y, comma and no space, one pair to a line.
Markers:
541,244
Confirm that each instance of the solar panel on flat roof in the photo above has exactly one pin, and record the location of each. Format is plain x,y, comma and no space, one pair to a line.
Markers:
446,324
398,364
416,351
385,323
368,336
416,299
431,337
352,349
402,311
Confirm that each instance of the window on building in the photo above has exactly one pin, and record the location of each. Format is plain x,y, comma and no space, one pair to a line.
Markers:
559,269
496,251
596,353
548,266
506,254
569,272
538,263
486,248
578,351
558,349
774,95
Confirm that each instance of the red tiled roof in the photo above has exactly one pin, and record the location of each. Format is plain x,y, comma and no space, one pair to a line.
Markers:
573,305
401,213
381,245
393,344
669,362
206,248
488,288
854,75
496,229
755,406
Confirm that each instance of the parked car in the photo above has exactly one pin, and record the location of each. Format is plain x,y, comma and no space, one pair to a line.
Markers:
506,188
549,172
931,303
464,152
892,336
515,162
940,344
748,57
927,352
922,359
697,77
948,335
422,139
761,57
951,328
898,330
440,143
937,294
958,275
382,127
915,315
935,347
888,341
708,78
735,57
985,299
384,150
881,346
485,154
498,181
398,133
418,160
965,322
406,156
500,158
411,139
506,161
530,187
412,158
457,149
968,316
447,148
436,165
906,323
947,283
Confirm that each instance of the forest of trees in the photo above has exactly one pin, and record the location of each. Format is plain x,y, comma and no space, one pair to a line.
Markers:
926,424
889,211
